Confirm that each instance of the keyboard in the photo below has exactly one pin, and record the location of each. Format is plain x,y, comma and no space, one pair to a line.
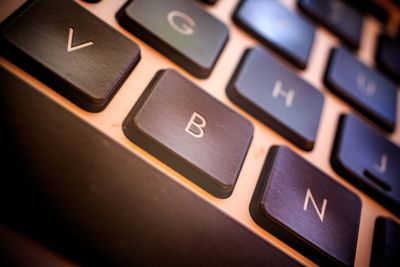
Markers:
200,133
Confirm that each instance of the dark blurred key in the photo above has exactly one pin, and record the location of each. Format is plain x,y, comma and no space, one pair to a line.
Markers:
368,160
370,7
179,29
275,95
307,209
71,50
364,88
337,16
192,132
388,56
210,2
280,29
386,244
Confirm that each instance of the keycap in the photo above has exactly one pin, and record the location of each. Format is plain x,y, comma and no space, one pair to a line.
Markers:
372,7
190,131
386,244
337,16
305,208
180,30
71,50
366,158
101,204
283,31
276,96
388,56
362,87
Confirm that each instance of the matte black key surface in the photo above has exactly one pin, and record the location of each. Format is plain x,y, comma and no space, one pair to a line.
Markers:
388,56
272,93
364,88
337,16
192,132
71,50
368,160
386,244
179,29
98,203
307,209
280,29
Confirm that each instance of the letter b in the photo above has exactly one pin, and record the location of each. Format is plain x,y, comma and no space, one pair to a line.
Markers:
196,125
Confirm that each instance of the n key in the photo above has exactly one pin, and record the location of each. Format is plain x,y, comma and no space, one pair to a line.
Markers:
307,209
189,130
272,93
367,159
364,88
71,50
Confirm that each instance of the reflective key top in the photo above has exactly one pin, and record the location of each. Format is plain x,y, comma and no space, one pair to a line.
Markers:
388,56
364,88
386,244
274,25
367,159
272,93
179,29
72,51
307,209
192,132
337,16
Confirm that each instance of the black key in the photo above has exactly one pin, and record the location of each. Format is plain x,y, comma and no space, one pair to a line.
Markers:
276,96
368,160
337,16
386,244
388,56
307,209
190,131
71,50
179,29
364,88
280,29
95,196
370,7
210,2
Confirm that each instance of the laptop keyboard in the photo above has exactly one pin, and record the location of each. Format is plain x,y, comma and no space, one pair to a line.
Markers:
282,115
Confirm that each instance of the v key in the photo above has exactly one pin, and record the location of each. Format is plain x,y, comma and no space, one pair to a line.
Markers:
71,48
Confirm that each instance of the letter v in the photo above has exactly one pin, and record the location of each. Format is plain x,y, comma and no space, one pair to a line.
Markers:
71,48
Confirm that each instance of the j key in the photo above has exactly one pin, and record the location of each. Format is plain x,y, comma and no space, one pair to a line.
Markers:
364,88
104,199
271,23
388,56
71,50
179,29
367,159
272,93
386,244
190,131
337,16
307,209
